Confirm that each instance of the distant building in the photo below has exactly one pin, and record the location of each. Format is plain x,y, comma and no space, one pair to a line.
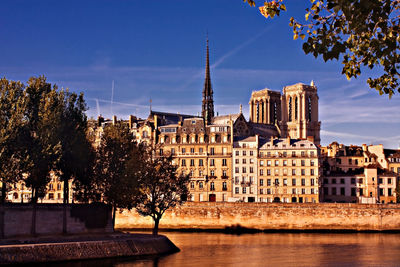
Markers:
288,171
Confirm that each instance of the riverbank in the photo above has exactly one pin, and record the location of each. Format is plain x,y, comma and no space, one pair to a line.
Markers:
271,217
80,247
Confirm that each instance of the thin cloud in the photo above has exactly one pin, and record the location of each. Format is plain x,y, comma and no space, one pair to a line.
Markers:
225,57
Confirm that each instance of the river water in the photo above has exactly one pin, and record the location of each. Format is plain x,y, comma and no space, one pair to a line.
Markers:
273,249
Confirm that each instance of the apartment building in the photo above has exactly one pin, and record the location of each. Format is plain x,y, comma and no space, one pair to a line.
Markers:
288,171
244,166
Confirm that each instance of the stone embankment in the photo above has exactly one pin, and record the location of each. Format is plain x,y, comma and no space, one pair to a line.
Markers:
79,248
272,216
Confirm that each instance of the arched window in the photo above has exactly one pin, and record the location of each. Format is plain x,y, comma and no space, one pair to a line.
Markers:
296,108
290,109
258,112
309,108
262,112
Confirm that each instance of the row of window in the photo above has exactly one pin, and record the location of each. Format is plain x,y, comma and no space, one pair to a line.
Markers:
285,154
201,162
201,151
393,169
212,186
244,161
276,182
192,139
354,180
277,154
269,191
285,163
285,172
341,191
244,153
212,173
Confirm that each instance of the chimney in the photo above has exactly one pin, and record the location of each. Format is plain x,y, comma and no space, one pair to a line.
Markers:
114,120
272,140
364,147
131,119
155,122
100,120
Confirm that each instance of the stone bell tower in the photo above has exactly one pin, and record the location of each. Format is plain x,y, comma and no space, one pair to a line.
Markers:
300,112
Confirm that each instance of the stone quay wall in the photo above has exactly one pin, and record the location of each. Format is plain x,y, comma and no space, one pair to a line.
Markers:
272,216
16,219
118,246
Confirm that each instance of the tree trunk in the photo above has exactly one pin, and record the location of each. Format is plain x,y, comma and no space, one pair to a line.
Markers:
156,222
113,216
2,213
34,200
65,203
3,192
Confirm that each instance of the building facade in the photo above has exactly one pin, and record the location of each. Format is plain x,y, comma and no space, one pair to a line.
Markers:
288,171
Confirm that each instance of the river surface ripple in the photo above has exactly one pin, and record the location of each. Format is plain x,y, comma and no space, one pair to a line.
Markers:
279,249
268,249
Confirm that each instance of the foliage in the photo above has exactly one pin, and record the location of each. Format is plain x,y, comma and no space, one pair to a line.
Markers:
111,182
40,140
161,188
362,33
76,149
11,121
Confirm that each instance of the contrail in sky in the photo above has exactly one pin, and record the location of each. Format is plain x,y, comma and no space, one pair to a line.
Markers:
112,96
237,48
226,56
119,103
98,107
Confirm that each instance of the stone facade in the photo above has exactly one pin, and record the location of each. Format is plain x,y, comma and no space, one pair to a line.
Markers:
272,216
294,113
288,171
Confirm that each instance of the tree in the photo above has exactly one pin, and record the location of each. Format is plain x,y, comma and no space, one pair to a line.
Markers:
361,33
11,121
75,148
160,187
40,139
111,182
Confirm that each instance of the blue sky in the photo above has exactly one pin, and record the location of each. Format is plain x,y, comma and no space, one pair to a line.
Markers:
156,49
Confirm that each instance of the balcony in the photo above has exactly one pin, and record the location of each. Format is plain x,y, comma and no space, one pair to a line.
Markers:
180,154
224,177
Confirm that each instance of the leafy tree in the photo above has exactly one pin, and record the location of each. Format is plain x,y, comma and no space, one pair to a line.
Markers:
40,140
361,33
75,148
111,182
11,121
160,187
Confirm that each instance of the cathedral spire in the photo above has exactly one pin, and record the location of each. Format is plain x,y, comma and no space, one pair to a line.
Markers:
207,110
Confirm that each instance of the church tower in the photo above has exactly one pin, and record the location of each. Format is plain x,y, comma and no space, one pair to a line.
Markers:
300,112
207,110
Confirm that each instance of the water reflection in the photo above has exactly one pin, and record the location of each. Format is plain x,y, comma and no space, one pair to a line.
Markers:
277,249
285,249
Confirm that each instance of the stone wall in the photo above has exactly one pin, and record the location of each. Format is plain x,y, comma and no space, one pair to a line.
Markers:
110,247
16,219
276,216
